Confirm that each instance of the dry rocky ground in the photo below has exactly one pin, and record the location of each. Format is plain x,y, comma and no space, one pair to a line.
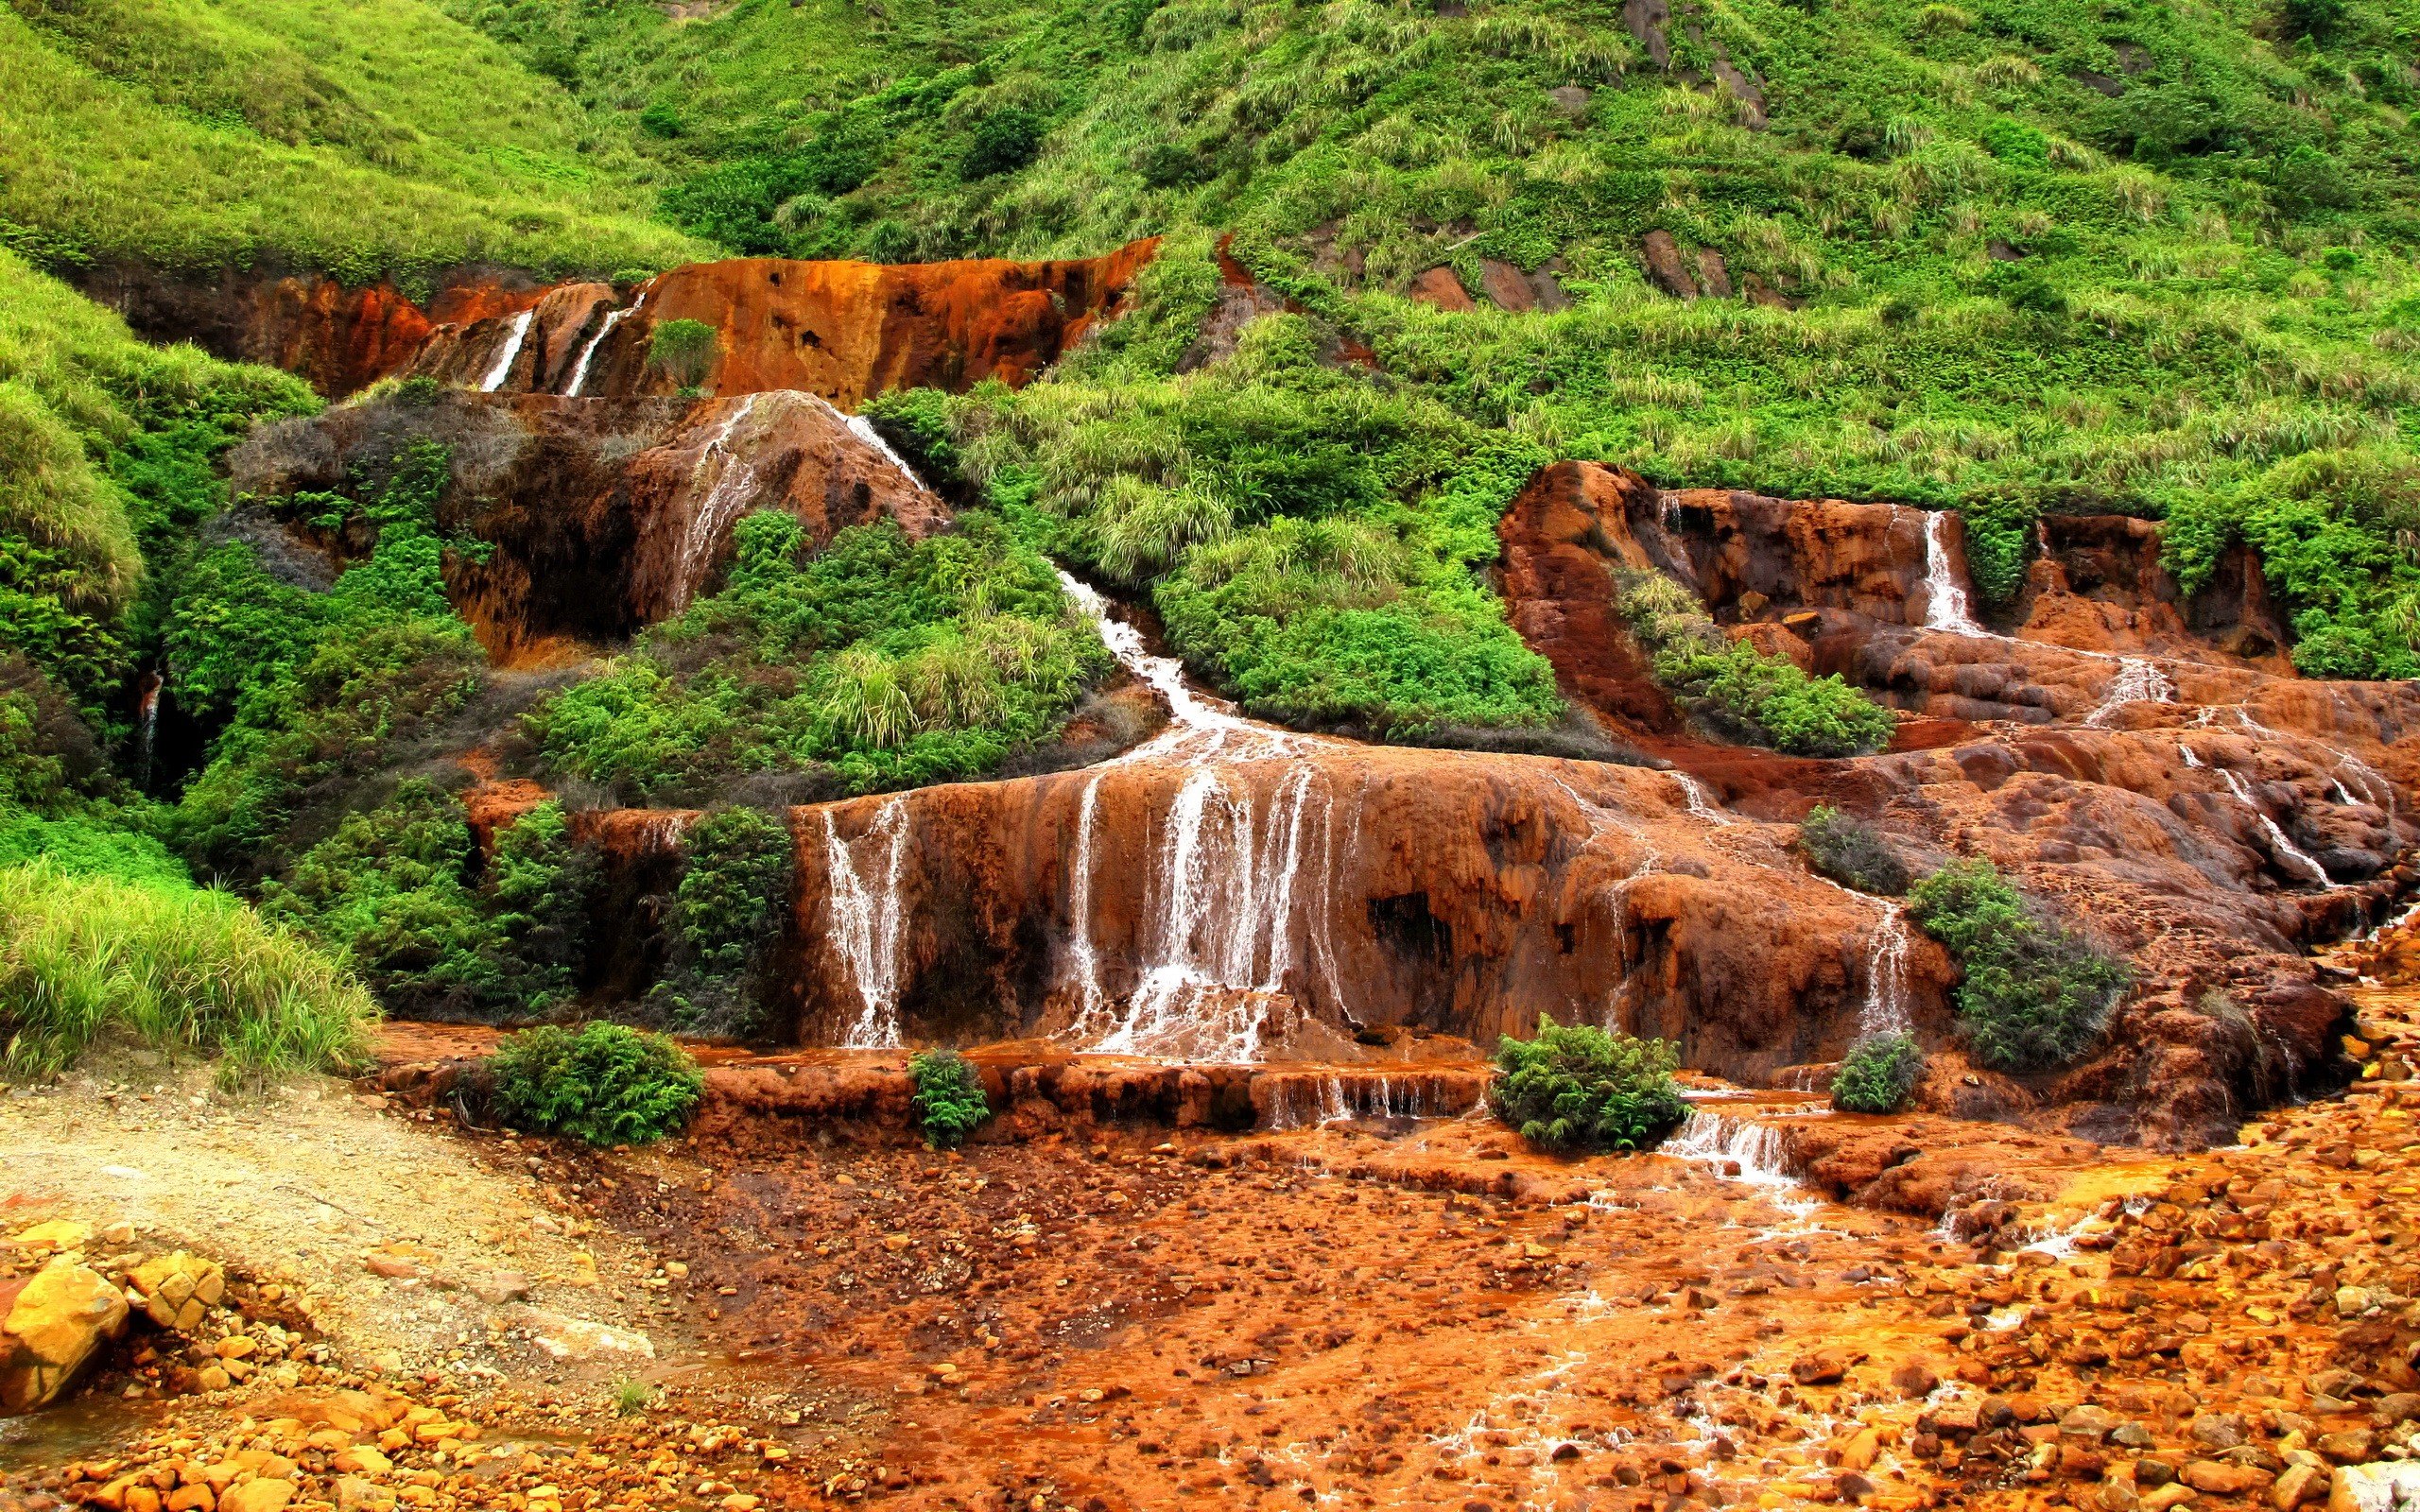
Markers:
1373,1313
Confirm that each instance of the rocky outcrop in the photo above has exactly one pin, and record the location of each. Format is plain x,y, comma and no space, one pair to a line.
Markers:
606,515
844,331
2099,586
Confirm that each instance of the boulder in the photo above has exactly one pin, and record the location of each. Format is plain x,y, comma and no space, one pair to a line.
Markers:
177,1289
59,1320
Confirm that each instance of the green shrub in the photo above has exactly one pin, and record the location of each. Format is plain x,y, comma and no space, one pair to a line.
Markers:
178,967
2034,996
1739,692
1581,1089
949,1102
1878,1075
1005,141
602,1083
1851,853
684,352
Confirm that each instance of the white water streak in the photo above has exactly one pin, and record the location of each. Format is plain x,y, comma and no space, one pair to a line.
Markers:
2139,681
1945,605
503,367
864,907
733,486
1700,801
612,318
1885,1009
2286,849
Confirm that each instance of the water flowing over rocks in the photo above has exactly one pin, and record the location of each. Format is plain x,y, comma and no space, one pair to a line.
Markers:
606,515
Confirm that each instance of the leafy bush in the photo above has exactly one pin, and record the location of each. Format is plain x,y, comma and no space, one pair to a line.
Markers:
1577,1088
1005,141
602,1083
684,352
1878,1075
949,1102
178,967
1851,853
1739,692
2034,996
888,661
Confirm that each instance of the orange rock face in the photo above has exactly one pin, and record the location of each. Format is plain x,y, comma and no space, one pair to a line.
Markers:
606,516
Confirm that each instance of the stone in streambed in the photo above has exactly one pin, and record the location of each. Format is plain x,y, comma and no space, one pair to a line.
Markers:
55,1324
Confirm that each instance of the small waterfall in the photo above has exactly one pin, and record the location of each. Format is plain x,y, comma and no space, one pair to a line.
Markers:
1885,1009
1756,1148
612,318
1312,1101
2187,752
863,430
731,490
863,900
1226,888
1700,801
2343,796
1198,727
503,368
2285,848
1946,606
1092,1001
2139,681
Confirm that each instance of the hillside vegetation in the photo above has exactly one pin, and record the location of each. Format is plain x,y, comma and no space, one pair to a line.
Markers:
2000,256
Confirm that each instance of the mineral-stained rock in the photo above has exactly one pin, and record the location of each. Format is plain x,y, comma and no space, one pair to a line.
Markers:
1442,288
575,1338
54,1325
177,1289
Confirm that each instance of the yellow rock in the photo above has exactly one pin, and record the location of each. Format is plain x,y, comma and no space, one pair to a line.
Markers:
57,1234
57,1323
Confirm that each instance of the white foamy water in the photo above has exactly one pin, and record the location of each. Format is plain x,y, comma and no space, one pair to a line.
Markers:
1945,604
864,913
2285,848
863,430
1700,801
588,352
502,368
1885,1009
1234,878
1309,1102
734,488
2139,681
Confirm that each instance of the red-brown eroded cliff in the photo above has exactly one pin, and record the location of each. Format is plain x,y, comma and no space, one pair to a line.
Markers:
606,516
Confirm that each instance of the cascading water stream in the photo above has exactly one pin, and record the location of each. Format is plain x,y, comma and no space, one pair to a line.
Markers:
2285,848
733,486
1945,605
2139,681
1700,801
1227,882
580,369
864,914
1885,1009
503,366
863,430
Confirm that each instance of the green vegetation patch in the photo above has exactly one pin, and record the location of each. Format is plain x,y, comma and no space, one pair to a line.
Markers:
176,967
2034,996
1878,1075
1738,693
881,663
602,1083
1575,1089
1851,851
949,1102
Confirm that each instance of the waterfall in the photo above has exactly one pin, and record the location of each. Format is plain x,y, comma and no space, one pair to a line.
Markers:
2187,751
2139,681
863,430
1946,607
1225,891
2285,848
1756,1148
1092,1001
732,488
865,919
1700,801
1227,878
503,368
2341,795
612,318
1312,1100
1885,1009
